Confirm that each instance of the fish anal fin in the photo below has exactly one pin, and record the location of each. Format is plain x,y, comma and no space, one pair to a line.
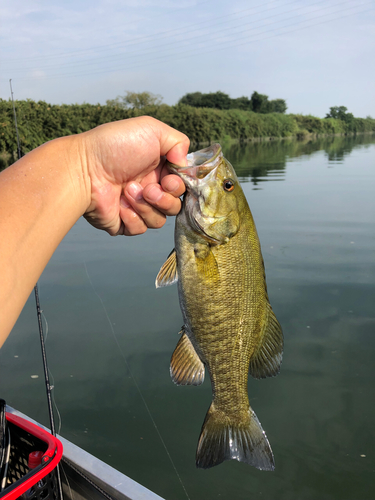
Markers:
168,271
266,360
186,367
223,438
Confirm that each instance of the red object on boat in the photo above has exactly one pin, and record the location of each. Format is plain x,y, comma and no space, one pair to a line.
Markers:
26,438
35,459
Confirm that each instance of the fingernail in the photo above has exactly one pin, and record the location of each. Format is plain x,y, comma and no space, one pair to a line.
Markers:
172,185
154,194
135,191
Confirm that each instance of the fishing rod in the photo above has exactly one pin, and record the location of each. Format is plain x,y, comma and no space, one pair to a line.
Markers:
49,387
15,120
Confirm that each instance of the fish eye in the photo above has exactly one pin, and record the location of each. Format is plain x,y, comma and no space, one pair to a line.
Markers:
228,185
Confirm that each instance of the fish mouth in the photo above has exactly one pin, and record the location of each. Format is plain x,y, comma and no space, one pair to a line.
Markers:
197,175
199,164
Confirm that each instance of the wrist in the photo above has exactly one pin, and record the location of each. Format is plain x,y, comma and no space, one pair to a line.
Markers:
72,166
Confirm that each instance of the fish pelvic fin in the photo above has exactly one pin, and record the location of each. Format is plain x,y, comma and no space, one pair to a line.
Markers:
186,367
223,438
266,360
168,271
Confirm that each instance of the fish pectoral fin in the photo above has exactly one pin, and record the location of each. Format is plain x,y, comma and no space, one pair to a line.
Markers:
227,438
168,271
186,367
208,267
266,360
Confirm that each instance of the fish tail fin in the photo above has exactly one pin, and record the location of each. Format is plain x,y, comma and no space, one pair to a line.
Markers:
223,438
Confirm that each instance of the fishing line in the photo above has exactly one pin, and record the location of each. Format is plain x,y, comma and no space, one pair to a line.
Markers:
67,482
46,323
46,379
136,384
52,385
52,377
54,402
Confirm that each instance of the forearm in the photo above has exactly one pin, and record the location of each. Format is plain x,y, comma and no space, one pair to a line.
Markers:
41,197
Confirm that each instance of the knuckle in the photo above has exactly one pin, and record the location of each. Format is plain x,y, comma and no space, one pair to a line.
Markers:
159,222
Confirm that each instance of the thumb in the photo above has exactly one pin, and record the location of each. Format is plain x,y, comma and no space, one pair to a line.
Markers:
177,154
173,144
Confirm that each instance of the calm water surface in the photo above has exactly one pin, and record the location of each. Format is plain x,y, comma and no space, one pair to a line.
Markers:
110,331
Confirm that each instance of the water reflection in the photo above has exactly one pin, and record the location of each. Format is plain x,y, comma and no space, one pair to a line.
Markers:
257,162
338,148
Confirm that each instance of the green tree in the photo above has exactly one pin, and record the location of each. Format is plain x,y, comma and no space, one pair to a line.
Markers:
136,100
216,100
340,113
242,103
278,106
192,99
260,103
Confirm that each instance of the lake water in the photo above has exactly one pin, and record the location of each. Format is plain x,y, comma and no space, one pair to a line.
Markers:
111,335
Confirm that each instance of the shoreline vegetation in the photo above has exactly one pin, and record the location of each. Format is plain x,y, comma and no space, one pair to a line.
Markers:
39,122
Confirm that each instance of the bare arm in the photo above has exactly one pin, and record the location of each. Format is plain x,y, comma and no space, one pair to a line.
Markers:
114,175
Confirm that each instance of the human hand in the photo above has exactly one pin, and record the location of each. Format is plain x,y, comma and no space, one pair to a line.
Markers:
130,187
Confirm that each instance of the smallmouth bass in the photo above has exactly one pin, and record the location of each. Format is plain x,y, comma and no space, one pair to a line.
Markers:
229,325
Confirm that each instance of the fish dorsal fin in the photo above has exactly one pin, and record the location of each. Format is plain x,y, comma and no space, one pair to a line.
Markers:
168,271
186,367
266,360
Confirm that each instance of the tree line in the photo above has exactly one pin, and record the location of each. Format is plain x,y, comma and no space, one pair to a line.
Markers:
39,122
258,103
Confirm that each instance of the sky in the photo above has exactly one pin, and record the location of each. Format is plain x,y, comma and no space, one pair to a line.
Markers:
314,54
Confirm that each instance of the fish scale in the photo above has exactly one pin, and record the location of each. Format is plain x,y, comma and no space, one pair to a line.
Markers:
218,327
229,326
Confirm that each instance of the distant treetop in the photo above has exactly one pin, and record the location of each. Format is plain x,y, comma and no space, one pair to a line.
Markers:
137,100
340,113
258,103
